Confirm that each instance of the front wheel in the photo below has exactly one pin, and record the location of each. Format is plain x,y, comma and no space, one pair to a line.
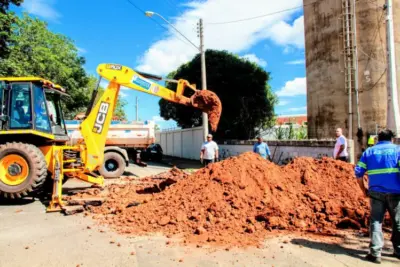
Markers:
113,166
23,169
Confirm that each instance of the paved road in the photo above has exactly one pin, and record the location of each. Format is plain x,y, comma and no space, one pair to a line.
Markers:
31,237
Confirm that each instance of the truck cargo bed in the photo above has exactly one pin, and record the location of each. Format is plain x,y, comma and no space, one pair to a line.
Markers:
132,135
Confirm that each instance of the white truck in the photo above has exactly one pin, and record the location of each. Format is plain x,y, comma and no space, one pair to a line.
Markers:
125,142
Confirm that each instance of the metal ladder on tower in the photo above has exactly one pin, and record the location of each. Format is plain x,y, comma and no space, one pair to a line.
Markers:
349,52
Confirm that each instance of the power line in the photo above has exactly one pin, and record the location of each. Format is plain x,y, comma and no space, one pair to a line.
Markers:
171,5
138,8
260,16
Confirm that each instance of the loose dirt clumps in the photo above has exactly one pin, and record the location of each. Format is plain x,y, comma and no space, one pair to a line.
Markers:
239,201
209,102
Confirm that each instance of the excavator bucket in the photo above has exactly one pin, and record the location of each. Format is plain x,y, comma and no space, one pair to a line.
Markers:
209,103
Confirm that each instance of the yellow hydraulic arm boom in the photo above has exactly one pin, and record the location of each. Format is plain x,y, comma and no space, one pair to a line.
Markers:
95,127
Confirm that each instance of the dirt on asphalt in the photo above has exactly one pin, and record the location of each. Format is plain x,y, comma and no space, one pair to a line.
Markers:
238,201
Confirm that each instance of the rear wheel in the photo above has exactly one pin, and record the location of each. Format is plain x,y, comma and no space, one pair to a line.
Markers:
114,165
23,169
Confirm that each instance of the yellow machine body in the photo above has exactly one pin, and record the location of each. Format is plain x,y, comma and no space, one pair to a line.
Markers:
88,156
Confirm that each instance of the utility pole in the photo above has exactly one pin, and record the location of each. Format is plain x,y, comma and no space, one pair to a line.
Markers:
393,122
203,74
137,109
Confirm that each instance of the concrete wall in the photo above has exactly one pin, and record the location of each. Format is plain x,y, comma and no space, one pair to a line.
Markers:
327,100
283,151
186,143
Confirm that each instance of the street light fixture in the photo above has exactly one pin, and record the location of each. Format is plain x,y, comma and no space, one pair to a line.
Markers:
203,60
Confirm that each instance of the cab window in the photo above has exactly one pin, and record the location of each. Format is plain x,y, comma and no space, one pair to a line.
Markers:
2,85
20,106
53,101
2,88
42,122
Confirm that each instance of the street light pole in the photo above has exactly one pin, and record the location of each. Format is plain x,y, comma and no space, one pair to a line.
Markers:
203,75
393,120
202,56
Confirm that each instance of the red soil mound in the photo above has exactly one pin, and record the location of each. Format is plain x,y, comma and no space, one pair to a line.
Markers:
237,201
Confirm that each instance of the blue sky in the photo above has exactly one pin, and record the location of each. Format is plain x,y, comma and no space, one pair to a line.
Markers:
116,32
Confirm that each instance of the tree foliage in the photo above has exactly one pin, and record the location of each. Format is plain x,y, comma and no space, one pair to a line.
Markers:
6,20
119,111
247,99
33,50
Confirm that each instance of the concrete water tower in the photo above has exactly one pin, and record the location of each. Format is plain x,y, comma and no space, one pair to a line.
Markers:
338,43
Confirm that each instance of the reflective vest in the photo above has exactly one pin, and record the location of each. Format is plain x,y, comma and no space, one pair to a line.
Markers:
381,162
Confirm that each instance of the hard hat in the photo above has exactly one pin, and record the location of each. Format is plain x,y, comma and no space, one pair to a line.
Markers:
371,140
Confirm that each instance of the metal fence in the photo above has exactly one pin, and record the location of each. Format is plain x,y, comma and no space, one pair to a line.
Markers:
182,143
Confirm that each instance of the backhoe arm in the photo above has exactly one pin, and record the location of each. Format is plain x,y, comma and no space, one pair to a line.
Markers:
129,78
95,127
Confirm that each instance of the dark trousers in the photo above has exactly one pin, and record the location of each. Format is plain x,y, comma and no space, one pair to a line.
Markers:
380,202
345,159
207,161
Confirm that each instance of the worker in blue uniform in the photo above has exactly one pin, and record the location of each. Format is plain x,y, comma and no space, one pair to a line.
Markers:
381,162
261,148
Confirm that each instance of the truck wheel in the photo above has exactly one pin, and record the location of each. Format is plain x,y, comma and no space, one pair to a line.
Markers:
23,169
114,165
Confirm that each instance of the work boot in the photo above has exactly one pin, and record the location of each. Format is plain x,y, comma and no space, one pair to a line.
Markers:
373,259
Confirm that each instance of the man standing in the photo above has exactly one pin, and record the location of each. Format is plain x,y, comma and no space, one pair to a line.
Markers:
381,162
340,151
262,148
209,151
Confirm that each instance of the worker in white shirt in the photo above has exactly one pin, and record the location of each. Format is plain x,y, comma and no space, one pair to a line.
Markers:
209,151
340,151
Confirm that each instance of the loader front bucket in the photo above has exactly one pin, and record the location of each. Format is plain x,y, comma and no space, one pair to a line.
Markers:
209,103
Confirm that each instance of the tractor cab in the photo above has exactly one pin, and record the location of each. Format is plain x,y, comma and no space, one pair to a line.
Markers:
31,104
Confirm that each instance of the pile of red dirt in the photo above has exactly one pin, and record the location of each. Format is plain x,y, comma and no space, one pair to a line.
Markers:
238,201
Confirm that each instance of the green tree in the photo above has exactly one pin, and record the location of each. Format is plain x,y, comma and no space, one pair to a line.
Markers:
301,133
119,109
6,20
36,51
247,99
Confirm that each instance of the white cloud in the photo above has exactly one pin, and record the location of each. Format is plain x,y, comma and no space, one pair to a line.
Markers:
283,103
285,34
122,94
296,62
298,109
298,86
81,50
168,53
41,8
253,58
157,119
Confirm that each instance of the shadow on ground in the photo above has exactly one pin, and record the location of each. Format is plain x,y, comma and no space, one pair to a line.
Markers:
182,163
340,249
16,202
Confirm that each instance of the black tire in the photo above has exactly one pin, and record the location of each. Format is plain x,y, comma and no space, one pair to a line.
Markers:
113,166
158,157
144,156
37,170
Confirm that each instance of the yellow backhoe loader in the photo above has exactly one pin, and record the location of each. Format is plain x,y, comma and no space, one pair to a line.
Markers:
33,138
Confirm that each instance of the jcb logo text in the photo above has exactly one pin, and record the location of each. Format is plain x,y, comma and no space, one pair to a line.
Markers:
101,117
